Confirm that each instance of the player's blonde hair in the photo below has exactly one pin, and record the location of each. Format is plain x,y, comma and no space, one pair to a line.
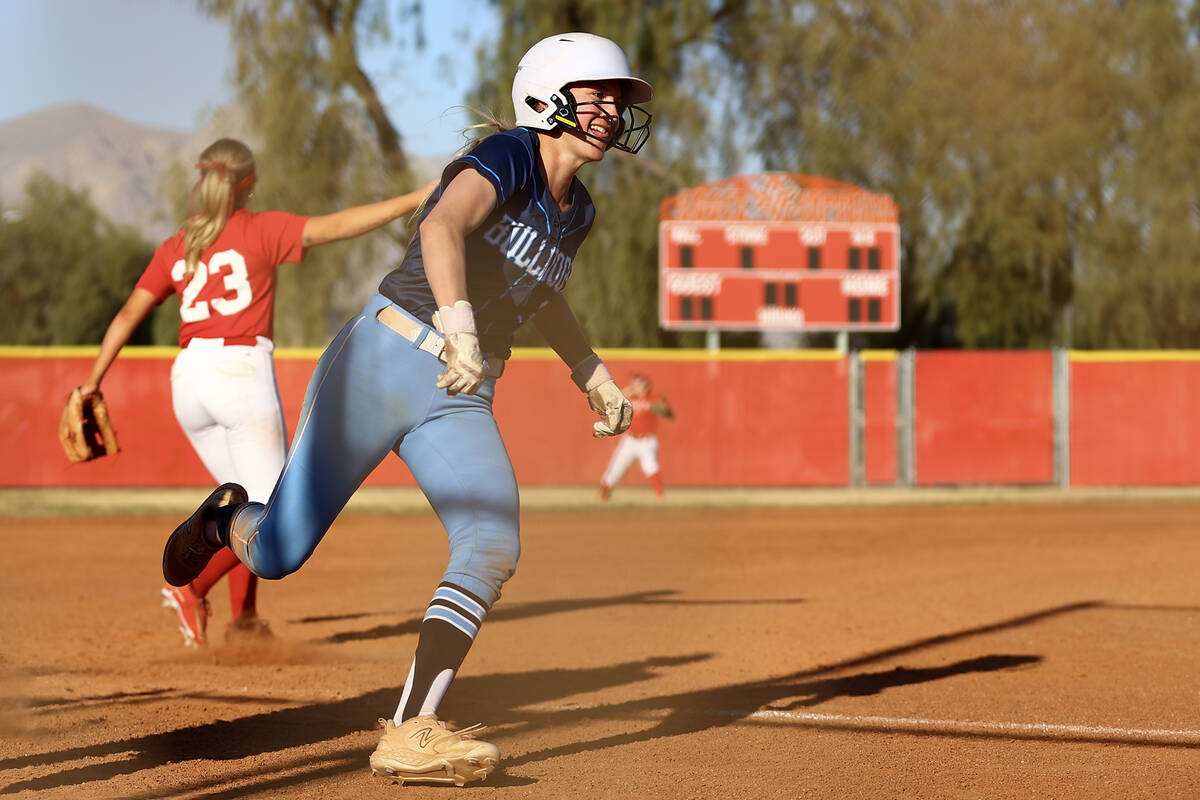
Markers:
491,123
226,178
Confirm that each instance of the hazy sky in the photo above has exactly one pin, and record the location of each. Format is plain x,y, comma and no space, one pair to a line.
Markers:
161,63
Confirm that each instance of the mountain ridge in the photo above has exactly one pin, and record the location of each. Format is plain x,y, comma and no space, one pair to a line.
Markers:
119,162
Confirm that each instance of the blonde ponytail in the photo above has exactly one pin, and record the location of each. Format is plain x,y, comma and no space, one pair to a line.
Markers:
226,177
491,123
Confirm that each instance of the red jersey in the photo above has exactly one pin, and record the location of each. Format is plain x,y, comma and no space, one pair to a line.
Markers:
645,421
232,291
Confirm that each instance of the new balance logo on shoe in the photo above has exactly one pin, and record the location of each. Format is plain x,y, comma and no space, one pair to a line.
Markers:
424,750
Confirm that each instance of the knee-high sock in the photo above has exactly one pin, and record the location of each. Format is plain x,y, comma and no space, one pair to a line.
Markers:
451,622
243,585
222,562
656,482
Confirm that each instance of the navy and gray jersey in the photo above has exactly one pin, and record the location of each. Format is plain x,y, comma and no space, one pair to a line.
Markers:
521,254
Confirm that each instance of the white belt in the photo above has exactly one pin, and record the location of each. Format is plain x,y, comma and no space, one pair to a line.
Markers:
433,343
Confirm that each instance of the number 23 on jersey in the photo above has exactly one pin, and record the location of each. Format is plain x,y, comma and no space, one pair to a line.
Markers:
236,280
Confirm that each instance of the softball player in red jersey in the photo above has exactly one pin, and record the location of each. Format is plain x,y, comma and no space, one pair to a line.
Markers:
222,263
640,442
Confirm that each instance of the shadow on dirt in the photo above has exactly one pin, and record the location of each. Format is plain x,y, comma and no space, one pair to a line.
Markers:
123,698
543,608
271,733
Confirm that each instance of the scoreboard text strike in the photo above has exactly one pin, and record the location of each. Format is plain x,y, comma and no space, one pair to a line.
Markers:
779,251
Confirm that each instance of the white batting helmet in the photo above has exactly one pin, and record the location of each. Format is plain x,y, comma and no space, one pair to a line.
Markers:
557,61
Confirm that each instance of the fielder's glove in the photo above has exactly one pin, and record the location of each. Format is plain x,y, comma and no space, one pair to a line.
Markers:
85,430
604,396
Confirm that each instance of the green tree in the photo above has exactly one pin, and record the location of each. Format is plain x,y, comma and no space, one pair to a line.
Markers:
66,268
1039,153
1138,258
323,141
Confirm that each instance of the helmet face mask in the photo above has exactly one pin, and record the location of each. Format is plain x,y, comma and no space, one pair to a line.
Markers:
632,123
542,100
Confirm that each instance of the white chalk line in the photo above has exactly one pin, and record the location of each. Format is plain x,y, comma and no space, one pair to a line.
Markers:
956,725
930,725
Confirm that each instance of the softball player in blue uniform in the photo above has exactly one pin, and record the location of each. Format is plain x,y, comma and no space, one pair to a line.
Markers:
415,373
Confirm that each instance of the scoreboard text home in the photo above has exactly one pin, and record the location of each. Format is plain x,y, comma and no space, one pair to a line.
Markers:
779,251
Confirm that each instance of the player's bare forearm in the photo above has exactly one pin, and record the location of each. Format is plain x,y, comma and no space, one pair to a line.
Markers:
351,222
465,203
119,331
445,261
561,330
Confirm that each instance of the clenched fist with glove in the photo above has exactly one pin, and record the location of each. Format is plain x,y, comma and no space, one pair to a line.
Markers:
464,361
604,396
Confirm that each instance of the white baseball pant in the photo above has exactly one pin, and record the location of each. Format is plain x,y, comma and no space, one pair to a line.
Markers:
644,449
227,403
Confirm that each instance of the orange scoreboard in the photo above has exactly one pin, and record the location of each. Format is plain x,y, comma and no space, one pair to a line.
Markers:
779,251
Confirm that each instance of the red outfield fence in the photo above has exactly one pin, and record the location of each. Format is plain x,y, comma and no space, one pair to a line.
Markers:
743,418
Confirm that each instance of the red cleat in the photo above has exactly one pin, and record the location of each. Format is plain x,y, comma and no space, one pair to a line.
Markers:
191,611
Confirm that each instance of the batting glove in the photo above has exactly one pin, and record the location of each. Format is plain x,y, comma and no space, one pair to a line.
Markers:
609,402
464,361
604,396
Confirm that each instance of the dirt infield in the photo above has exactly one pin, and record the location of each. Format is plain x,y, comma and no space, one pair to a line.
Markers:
999,650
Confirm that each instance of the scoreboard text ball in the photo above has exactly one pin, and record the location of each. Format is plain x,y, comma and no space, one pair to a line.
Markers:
779,252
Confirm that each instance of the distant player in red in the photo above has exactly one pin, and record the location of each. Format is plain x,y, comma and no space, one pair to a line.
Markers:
640,442
222,263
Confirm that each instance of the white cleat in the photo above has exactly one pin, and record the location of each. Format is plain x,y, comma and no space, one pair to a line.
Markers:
424,750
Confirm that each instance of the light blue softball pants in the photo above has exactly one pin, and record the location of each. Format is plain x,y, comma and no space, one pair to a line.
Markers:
374,391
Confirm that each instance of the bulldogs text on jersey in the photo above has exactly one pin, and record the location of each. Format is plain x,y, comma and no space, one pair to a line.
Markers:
527,247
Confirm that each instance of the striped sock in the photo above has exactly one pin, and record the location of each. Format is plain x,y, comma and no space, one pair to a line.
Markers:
451,622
